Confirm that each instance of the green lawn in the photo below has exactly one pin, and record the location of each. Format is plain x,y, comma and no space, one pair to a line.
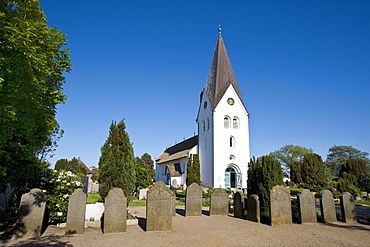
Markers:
143,203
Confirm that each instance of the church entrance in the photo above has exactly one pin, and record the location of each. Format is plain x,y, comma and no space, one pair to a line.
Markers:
232,178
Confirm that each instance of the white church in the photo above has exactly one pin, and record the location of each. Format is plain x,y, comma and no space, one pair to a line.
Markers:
223,133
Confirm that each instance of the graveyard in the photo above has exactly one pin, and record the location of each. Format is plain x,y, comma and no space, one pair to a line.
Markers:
224,222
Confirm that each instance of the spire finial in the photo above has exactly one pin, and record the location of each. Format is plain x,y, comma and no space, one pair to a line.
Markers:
219,29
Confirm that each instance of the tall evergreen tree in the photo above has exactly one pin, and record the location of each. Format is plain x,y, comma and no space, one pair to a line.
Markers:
148,163
193,170
313,171
264,173
117,162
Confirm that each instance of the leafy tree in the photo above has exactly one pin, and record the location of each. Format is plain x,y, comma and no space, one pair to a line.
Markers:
313,171
61,164
142,176
338,156
263,174
148,163
71,165
117,162
33,59
364,182
193,170
289,154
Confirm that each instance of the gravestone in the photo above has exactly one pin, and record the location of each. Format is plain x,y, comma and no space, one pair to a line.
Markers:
327,207
76,212
174,183
31,214
238,205
280,206
219,203
193,205
348,208
159,208
253,208
142,194
307,207
115,211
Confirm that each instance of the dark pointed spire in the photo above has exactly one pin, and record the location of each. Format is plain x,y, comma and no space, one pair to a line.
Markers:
221,74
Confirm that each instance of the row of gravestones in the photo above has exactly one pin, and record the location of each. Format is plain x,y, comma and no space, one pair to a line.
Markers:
281,207
161,208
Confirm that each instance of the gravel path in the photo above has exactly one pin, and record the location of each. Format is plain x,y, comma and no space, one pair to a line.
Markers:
209,231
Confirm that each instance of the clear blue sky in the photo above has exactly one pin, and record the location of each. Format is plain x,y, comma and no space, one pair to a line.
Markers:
303,69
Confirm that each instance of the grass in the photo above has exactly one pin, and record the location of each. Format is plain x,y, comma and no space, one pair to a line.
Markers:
143,203
359,202
93,198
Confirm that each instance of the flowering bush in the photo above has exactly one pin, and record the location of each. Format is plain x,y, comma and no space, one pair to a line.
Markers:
58,187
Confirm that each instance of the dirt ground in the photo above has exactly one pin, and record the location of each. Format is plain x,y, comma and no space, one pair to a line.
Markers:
208,231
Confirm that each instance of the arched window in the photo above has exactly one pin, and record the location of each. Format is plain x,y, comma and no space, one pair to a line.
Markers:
235,123
205,143
232,142
226,122
207,123
204,125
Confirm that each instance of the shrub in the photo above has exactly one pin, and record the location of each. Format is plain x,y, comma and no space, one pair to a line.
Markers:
58,187
93,198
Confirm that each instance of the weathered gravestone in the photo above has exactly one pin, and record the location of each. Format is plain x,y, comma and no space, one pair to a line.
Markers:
142,194
115,211
327,207
159,208
239,205
193,205
31,214
280,206
174,183
253,208
348,208
76,212
307,207
219,203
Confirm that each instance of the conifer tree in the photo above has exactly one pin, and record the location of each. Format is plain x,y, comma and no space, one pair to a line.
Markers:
117,162
193,170
313,171
264,173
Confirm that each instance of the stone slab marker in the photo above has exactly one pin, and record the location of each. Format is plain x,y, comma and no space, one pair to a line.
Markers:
159,208
238,205
193,205
76,212
307,207
31,214
115,211
280,206
219,203
327,207
253,208
348,208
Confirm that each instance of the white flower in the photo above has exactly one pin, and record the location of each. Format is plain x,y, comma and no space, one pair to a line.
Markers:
44,191
78,183
61,173
54,170
68,183
69,173
64,181
59,213
58,180
66,196
57,205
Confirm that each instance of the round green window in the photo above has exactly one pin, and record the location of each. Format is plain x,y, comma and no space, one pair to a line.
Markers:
230,101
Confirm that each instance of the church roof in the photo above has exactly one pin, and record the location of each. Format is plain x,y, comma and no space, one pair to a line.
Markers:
177,151
221,74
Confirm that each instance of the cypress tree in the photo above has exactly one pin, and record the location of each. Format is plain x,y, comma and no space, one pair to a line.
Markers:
117,162
313,171
193,170
264,173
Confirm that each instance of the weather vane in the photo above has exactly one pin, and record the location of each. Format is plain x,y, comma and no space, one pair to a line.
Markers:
219,29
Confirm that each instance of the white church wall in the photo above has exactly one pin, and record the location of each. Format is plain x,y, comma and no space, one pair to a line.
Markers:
205,141
222,150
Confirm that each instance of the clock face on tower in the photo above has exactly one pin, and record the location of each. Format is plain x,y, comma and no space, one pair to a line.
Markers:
230,101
